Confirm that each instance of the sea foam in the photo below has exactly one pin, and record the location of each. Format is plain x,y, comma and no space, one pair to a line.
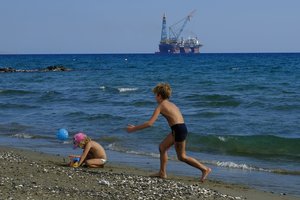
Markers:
127,89
22,135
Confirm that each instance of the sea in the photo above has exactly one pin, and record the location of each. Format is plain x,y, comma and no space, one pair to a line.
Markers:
242,111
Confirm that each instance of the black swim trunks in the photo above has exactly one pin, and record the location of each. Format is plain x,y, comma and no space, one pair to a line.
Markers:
179,131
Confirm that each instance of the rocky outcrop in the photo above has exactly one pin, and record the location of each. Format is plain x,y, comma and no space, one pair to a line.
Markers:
7,69
54,68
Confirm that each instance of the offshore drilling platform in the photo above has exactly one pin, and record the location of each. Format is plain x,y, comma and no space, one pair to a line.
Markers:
173,44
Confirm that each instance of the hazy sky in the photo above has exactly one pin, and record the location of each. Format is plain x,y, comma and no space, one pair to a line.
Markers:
134,26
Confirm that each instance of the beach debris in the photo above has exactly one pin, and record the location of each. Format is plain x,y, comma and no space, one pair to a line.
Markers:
38,179
104,182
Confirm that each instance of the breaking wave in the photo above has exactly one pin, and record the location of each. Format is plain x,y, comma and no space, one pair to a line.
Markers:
259,146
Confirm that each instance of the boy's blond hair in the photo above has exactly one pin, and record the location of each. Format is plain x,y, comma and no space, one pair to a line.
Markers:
163,89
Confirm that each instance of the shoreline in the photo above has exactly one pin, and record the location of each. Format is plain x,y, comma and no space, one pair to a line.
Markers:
36,175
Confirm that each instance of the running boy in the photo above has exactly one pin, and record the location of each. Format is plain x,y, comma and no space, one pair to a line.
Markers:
178,131
93,154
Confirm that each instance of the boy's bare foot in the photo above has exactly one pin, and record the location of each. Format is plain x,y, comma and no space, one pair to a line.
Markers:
159,175
205,174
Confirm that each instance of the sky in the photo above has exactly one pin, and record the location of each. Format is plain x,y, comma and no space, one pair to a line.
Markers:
134,26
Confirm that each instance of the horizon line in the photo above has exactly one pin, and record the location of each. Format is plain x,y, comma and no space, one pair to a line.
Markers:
148,53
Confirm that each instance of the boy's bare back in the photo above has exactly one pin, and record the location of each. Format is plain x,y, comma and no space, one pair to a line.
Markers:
171,112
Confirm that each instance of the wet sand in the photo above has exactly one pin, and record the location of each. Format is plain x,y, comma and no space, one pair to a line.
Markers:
34,175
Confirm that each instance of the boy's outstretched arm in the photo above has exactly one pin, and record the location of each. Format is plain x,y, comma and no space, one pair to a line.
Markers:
132,128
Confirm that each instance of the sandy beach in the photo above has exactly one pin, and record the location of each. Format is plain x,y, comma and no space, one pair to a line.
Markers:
34,175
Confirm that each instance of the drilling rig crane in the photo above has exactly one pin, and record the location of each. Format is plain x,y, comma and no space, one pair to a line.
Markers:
176,29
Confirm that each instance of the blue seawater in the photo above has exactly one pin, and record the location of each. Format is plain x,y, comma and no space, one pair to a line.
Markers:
242,110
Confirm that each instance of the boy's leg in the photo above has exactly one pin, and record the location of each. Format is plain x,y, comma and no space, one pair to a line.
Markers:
181,154
163,148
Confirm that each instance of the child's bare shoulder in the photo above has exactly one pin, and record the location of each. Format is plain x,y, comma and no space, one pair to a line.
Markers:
96,144
93,142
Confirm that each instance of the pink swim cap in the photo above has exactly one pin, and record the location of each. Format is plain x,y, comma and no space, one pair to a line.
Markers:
79,137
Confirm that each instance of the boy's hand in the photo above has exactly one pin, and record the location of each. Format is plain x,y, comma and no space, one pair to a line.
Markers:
130,128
